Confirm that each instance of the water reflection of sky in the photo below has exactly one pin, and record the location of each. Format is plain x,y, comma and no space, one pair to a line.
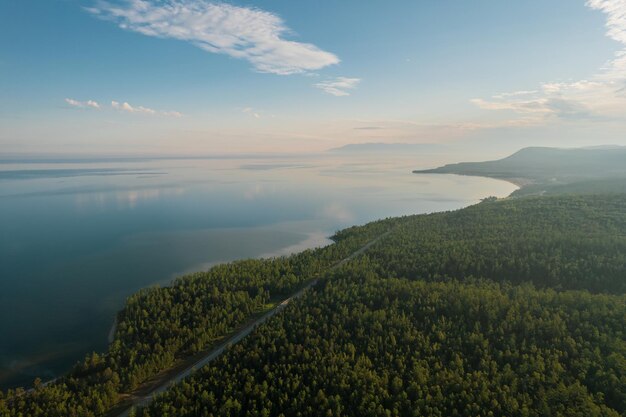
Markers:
77,238
122,199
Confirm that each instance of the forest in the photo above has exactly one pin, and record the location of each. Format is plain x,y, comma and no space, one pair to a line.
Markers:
365,346
508,307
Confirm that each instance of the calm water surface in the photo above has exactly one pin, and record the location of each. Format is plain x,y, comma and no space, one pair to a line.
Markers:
77,238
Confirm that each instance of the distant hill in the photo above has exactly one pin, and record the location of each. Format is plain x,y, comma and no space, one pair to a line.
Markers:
552,170
388,148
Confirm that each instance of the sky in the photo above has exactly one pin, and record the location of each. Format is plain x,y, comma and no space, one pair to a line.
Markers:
190,77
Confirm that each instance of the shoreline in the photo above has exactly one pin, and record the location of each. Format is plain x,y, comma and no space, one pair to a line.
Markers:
143,395
311,238
111,335
311,241
519,182
318,239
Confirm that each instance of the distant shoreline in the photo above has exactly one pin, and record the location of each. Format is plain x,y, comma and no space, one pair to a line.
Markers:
519,182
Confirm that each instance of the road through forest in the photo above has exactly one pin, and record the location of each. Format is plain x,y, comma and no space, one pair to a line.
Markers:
237,337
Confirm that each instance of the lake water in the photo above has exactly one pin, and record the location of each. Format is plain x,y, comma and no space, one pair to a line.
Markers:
77,237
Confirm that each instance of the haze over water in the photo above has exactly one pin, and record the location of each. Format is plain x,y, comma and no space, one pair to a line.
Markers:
77,238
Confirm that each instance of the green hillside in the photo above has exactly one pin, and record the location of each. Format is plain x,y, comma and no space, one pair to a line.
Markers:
552,170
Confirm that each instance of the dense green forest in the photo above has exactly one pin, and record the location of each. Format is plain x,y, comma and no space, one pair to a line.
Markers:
508,307
366,346
573,242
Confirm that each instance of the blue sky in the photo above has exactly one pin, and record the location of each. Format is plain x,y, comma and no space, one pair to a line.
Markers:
189,76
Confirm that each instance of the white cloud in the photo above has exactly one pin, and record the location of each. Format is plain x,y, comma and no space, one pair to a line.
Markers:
252,112
128,108
172,114
142,110
89,103
600,97
530,105
339,86
240,32
515,94
616,17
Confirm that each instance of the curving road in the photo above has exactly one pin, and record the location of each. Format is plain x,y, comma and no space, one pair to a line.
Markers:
218,350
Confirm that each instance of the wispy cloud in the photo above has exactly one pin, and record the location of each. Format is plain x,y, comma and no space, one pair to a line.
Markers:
252,112
515,94
128,108
76,103
172,113
369,128
599,97
616,30
339,86
142,110
240,32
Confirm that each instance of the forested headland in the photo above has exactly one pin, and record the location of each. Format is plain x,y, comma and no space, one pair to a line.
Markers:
541,170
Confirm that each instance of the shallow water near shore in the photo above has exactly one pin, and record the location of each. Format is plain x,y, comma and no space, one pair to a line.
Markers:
78,237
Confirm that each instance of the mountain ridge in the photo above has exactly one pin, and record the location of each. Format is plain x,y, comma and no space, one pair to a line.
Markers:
538,170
